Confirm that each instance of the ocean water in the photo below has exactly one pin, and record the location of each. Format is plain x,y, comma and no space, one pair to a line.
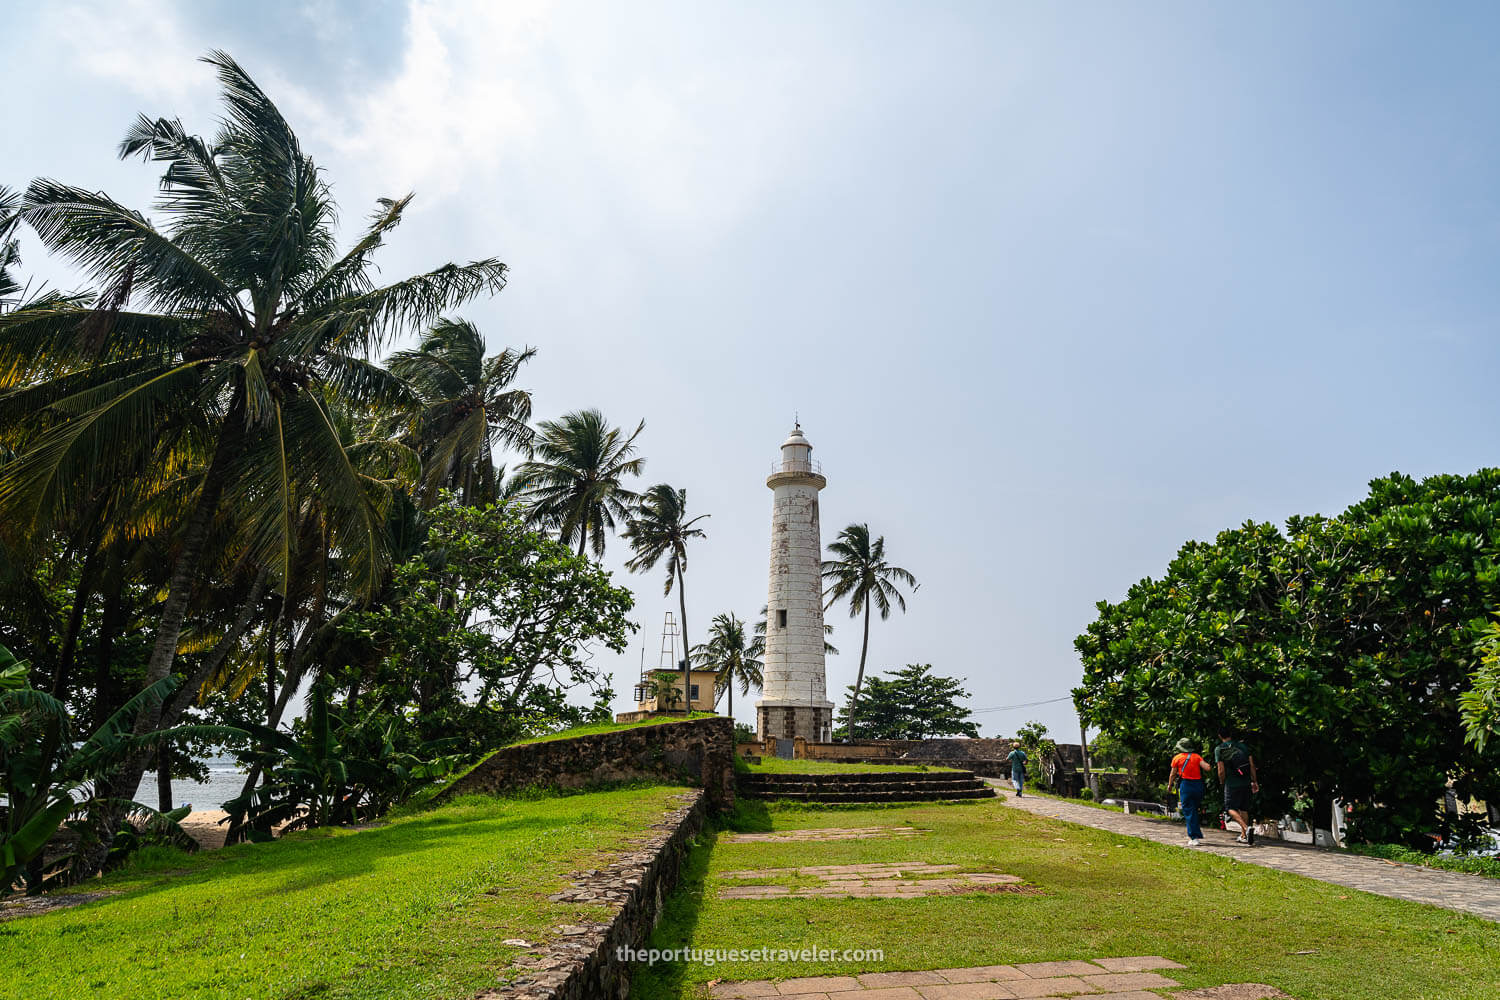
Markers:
224,781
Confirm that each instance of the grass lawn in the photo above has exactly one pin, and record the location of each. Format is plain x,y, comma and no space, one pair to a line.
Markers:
415,908
1102,895
778,765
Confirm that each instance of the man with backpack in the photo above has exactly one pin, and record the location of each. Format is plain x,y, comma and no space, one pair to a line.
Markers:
1237,776
1017,758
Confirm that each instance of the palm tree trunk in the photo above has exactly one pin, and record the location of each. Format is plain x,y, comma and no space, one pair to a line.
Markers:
190,557
111,622
271,668
178,701
75,624
164,779
687,690
296,666
859,678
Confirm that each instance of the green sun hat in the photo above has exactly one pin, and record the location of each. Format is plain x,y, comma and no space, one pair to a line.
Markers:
1185,746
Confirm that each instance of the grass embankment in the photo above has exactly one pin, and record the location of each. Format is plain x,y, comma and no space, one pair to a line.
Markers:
1102,895
778,765
1486,866
432,792
416,908
612,727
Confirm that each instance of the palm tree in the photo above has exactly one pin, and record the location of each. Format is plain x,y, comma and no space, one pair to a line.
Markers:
731,657
254,324
574,481
10,249
860,573
468,408
660,528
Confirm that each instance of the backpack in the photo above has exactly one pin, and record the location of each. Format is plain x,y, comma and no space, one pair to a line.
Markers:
1238,759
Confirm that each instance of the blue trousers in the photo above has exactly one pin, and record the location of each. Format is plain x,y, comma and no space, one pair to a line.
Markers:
1018,778
1190,793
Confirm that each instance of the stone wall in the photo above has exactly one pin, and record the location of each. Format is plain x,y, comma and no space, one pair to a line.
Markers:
695,751
985,756
582,961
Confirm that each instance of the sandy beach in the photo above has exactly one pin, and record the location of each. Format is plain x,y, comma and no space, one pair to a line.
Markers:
203,826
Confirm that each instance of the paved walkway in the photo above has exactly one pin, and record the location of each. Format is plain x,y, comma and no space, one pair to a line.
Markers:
1454,890
1102,979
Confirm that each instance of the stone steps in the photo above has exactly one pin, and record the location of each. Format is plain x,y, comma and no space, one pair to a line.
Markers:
866,786
859,777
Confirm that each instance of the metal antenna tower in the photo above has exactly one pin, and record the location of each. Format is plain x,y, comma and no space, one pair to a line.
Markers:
669,633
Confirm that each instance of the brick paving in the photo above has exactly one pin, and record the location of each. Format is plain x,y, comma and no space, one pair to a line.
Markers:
882,880
1452,890
819,833
1134,978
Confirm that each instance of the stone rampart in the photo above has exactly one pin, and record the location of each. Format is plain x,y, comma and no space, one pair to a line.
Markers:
582,962
694,751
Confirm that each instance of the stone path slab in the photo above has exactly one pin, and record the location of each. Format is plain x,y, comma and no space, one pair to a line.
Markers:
1452,890
1126,978
823,833
881,880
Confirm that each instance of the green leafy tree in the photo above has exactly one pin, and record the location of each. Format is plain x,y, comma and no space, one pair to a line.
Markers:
1341,647
660,528
253,323
732,657
911,704
493,608
575,483
1107,753
1480,705
859,573
467,409
1041,752
666,691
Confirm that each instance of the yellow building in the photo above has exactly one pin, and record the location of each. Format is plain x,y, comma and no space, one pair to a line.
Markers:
661,694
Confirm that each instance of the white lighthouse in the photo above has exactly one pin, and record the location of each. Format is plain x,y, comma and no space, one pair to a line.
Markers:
796,700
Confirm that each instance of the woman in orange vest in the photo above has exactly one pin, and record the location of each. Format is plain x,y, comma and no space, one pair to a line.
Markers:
1187,775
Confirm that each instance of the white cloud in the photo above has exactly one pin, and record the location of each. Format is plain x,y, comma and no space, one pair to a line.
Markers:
650,120
456,105
136,43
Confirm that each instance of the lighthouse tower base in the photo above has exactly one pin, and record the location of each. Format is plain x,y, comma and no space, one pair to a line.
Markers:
787,720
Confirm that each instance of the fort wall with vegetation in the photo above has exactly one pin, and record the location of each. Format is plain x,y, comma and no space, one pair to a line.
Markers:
696,751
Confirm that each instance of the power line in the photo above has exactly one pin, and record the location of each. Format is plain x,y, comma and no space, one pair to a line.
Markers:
1027,704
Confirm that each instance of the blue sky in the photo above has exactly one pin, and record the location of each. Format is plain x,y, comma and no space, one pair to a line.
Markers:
1053,287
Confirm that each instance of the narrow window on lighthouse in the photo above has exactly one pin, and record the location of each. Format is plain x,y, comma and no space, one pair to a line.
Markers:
781,618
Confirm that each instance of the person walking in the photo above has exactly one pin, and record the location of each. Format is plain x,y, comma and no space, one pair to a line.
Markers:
1017,758
1237,774
1187,774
